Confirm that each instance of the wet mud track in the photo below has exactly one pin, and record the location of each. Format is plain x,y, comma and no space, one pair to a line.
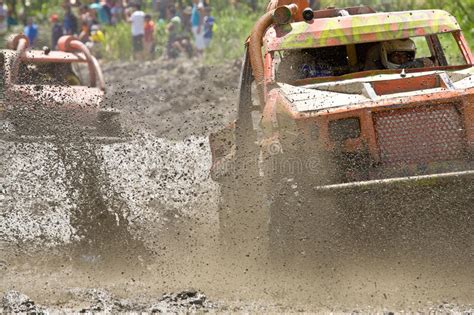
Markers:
116,227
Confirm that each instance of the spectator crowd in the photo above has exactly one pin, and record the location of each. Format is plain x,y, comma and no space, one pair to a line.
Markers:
189,28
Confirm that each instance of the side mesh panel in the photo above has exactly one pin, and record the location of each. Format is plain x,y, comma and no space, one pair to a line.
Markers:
420,135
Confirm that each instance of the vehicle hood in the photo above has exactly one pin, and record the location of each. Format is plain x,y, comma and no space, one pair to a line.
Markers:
328,95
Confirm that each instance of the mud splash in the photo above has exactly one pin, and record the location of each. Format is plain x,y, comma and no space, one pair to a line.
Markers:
67,204
54,194
35,208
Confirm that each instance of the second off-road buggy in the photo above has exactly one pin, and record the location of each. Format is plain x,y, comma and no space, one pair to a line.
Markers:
329,143
49,94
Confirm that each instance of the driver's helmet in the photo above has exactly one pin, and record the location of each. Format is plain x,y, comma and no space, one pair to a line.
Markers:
399,45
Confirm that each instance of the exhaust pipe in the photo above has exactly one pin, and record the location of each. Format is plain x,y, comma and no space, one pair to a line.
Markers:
255,51
278,11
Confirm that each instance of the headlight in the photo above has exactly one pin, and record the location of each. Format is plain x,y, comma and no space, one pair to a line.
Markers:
343,129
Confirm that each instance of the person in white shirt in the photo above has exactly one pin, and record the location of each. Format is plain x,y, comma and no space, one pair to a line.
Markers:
137,20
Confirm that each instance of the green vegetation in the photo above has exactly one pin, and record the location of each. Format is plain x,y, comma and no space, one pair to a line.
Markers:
231,30
234,25
234,22
119,41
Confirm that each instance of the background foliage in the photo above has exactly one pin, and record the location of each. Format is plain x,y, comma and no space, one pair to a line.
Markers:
234,21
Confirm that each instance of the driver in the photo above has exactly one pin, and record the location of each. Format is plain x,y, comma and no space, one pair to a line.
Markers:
396,54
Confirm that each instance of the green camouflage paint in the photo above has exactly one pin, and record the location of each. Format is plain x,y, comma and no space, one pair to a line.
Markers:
359,29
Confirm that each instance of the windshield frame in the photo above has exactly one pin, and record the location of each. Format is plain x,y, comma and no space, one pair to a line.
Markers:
437,52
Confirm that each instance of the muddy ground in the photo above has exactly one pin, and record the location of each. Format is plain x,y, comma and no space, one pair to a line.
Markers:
132,226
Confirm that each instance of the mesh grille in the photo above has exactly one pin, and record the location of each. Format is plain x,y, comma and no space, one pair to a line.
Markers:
420,135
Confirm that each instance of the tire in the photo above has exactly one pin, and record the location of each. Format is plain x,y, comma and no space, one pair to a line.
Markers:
243,211
303,223
243,216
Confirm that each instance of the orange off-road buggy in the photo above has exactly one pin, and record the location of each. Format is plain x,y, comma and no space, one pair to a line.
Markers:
329,142
49,94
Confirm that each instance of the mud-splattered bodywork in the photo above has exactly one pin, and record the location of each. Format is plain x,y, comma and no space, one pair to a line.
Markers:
52,93
345,150
362,28
374,124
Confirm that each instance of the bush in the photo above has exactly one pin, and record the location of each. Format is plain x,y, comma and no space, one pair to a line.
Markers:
232,27
230,32
119,41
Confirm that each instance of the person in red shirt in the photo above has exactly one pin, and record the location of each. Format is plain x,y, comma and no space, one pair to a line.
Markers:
149,37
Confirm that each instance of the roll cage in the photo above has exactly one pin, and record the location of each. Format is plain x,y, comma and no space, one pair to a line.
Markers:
71,51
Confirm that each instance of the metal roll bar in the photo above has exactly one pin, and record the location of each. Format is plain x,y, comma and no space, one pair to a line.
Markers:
69,44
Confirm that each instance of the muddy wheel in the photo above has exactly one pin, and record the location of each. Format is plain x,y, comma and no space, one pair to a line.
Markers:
243,217
303,223
243,210
228,217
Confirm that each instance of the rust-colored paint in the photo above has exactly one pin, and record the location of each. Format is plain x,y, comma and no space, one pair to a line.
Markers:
408,84
365,113
468,110
83,99
466,51
364,26
255,53
53,56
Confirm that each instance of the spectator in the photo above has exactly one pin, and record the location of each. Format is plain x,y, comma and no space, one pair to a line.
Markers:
87,16
56,31
3,18
178,42
70,21
186,19
101,11
137,20
84,34
208,27
97,36
31,31
11,20
197,16
107,7
96,41
163,8
170,12
116,12
149,37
